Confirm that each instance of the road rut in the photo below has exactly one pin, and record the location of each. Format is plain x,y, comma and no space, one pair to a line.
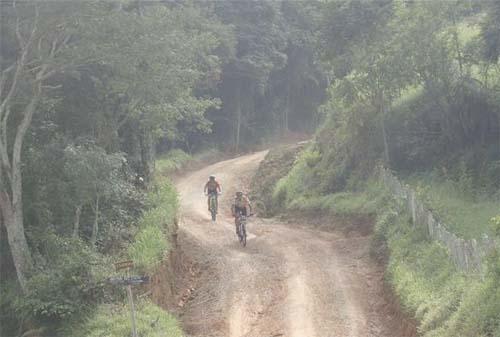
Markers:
291,280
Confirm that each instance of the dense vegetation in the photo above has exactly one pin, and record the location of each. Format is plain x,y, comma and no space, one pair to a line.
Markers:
91,91
415,89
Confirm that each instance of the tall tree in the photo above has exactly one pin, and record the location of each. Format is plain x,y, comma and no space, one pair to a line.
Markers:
261,42
39,35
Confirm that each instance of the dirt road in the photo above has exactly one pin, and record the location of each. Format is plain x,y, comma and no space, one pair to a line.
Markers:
290,280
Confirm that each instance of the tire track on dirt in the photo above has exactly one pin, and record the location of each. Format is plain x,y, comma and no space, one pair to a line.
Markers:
290,280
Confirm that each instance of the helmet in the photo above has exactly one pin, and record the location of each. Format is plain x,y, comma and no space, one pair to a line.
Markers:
211,177
239,194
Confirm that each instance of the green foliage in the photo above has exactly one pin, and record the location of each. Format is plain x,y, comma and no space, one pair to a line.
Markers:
293,193
446,302
454,202
274,167
271,82
495,224
174,46
150,244
295,183
172,161
114,321
70,279
490,29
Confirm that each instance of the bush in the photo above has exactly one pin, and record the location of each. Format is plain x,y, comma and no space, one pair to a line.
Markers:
69,281
114,321
172,161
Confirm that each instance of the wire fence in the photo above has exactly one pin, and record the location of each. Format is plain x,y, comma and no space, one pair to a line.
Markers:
468,255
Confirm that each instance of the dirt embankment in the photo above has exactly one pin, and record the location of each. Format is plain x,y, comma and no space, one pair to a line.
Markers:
293,279
277,163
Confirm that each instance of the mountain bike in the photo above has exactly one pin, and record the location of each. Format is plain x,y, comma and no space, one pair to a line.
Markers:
242,228
212,201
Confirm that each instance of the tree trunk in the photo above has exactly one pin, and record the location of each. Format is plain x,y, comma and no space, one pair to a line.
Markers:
287,106
17,240
238,121
76,225
383,111
95,228
387,158
11,205
147,153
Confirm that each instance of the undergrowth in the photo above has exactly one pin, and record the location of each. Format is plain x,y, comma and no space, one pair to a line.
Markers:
114,321
147,250
172,161
151,241
177,160
275,166
445,301
296,191
465,213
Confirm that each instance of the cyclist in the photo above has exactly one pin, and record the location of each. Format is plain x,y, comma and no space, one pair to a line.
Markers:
212,187
241,204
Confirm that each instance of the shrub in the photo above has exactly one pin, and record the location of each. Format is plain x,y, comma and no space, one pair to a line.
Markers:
70,280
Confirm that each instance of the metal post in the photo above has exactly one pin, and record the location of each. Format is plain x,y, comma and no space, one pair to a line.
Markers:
132,308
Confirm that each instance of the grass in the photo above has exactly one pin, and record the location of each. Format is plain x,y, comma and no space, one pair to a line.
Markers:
114,321
446,302
275,166
299,191
466,215
151,241
177,160
342,203
148,248
172,161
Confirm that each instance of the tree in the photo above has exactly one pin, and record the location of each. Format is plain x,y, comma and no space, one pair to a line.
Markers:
40,44
94,175
245,77
153,60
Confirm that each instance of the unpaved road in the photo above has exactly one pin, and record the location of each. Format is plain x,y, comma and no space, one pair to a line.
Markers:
290,280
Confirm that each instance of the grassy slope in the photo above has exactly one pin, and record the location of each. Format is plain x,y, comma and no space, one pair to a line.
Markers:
466,215
274,167
446,302
296,191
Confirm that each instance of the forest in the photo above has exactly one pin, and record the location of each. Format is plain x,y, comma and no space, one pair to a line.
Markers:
101,101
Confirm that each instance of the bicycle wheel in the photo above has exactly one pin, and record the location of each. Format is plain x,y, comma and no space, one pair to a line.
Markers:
213,208
243,234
